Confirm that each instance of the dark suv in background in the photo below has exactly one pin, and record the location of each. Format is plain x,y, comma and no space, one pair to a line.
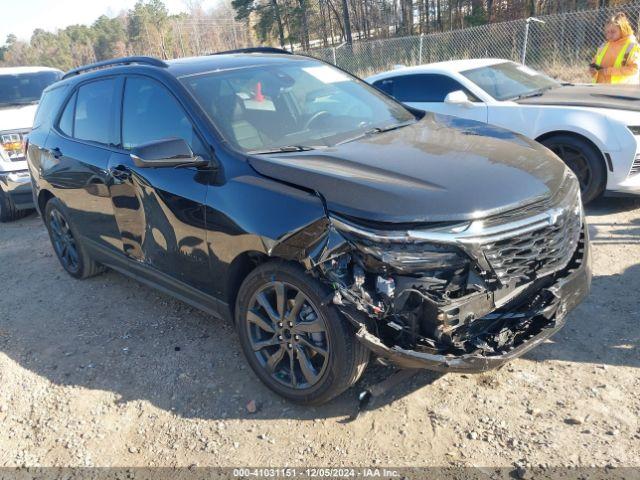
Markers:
325,218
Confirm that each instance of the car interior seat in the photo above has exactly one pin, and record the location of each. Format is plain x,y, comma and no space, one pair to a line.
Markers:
231,117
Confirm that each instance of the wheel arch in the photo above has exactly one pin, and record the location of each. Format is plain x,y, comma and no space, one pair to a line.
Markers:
238,270
554,133
43,198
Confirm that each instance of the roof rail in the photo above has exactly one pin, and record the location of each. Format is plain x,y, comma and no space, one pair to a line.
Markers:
116,61
254,50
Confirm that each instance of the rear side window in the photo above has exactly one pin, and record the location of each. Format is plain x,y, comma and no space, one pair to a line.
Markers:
66,120
150,113
94,112
421,87
48,107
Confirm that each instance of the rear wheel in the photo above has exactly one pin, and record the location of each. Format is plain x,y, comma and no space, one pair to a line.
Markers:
65,240
584,160
299,348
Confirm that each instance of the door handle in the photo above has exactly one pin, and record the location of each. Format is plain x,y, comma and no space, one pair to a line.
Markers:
120,173
56,152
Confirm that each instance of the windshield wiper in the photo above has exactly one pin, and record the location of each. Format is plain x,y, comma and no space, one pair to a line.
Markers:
535,93
388,128
376,130
284,149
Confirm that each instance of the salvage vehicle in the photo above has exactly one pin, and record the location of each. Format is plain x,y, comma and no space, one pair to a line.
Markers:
326,219
595,129
20,90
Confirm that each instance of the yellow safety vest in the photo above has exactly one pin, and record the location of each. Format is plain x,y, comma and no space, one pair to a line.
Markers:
630,48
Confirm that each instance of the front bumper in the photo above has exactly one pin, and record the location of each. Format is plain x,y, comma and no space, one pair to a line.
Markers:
18,186
621,180
629,186
565,294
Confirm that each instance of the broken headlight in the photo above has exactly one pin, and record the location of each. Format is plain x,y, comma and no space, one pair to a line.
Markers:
416,258
401,252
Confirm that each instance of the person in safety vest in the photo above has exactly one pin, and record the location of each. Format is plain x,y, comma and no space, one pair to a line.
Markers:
616,61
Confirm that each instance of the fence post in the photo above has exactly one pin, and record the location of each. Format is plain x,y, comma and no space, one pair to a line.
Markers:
523,59
335,62
420,49
526,37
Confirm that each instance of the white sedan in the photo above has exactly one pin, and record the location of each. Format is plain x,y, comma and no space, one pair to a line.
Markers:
594,129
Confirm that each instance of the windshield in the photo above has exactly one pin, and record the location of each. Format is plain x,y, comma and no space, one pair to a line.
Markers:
25,88
508,81
292,105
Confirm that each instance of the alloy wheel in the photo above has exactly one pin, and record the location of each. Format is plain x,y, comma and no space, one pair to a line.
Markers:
288,335
63,241
576,161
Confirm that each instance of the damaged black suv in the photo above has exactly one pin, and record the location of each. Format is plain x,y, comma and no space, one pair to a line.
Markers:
323,217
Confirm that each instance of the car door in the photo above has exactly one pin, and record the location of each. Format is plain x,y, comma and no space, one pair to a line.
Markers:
159,211
75,159
428,91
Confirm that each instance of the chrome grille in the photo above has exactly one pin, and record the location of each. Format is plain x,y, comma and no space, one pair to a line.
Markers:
635,168
521,248
537,253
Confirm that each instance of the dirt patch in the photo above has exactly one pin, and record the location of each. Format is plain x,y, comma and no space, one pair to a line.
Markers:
108,372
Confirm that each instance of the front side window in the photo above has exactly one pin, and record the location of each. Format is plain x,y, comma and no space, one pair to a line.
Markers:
151,113
95,111
294,103
508,80
25,88
421,87
386,85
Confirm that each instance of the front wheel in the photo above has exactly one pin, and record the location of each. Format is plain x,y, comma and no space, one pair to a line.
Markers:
584,160
70,252
299,348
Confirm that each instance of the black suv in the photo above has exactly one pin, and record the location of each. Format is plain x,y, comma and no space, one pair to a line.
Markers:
326,219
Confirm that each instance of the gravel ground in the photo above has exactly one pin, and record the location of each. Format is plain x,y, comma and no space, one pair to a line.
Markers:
107,372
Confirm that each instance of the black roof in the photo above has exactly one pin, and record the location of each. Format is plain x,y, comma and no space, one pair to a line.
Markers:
193,65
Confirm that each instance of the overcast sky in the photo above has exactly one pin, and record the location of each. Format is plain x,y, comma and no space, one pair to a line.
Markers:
21,17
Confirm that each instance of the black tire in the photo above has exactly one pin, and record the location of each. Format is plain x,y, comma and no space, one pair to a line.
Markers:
57,222
584,159
8,210
345,359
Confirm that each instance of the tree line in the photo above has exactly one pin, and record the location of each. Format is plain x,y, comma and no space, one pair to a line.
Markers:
149,29
312,23
146,29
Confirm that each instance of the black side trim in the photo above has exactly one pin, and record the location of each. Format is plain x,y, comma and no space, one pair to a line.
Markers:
609,162
158,280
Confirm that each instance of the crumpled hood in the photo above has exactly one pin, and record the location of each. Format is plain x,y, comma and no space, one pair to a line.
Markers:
617,97
439,169
16,117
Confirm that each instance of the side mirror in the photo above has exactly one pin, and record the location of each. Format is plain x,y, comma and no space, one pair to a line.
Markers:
169,152
457,98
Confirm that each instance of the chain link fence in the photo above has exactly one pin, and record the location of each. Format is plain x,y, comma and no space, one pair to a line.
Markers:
560,45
